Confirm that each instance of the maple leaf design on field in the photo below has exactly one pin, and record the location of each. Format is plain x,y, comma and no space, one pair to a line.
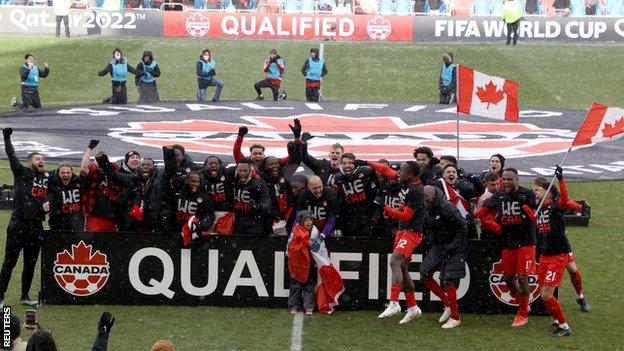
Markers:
490,95
612,130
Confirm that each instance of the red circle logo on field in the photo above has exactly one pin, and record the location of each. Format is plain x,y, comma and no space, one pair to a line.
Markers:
369,138
81,272
501,290
197,25
378,28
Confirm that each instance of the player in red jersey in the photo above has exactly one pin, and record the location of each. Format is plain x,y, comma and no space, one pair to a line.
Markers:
411,217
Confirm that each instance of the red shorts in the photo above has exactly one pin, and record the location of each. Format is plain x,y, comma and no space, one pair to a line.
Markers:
405,242
519,261
552,268
100,224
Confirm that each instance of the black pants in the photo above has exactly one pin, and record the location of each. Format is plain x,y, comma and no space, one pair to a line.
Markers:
447,95
266,84
65,20
26,236
512,28
148,93
120,94
30,97
312,94
302,295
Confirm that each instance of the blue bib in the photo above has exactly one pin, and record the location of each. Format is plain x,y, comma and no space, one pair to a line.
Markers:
446,73
148,70
33,77
315,68
274,72
120,72
207,67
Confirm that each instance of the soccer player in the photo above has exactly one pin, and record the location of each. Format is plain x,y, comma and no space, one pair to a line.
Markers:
429,165
256,151
118,68
194,212
25,230
29,74
357,188
515,213
447,229
490,229
326,169
322,203
206,73
274,68
388,194
252,202
411,219
218,182
313,70
496,165
146,83
64,199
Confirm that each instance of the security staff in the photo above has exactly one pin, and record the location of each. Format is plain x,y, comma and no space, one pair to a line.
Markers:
29,74
146,83
118,68
313,69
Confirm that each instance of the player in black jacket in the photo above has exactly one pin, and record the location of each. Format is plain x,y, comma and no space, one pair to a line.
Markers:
25,231
327,169
193,209
218,182
252,202
64,200
446,228
322,203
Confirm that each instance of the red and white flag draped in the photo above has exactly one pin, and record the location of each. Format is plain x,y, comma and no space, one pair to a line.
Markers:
602,123
329,284
453,196
487,96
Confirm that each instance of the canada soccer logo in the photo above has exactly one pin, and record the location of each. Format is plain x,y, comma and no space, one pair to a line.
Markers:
378,28
501,291
367,137
197,25
81,272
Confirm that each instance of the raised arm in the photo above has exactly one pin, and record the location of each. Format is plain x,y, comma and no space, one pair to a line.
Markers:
238,144
86,158
16,165
385,170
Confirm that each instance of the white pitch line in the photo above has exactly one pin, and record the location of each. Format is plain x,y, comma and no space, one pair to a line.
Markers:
297,332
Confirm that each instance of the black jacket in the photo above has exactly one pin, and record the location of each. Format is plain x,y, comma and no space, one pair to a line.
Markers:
252,204
141,67
31,188
321,168
66,203
220,188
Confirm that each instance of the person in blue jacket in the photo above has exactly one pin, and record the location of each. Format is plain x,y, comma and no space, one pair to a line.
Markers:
118,68
274,69
313,69
448,80
146,83
206,73
29,74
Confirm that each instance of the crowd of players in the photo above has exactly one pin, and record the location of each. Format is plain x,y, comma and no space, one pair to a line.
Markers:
427,199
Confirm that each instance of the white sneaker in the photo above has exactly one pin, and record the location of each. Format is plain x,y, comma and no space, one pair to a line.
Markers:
14,102
412,312
451,323
445,315
392,309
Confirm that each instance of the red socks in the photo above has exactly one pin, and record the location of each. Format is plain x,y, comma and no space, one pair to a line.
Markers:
451,293
577,282
395,289
554,308
524,306
410,299
435,288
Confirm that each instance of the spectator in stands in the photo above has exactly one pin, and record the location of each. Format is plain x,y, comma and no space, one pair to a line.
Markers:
146,83
512,15
274,69
61,11
448,80
531,7
590,7
313,70
436,6
29,74
15,327
419,6
118,69
562,7
206,73
172,5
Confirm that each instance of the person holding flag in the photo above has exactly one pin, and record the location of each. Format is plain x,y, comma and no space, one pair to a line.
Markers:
313,70
274,69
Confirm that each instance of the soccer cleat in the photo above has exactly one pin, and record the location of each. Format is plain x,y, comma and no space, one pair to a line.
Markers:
553,327
519,321
451,323
281,96
392,309
14,102
259,97
27,301
445,315
561,331
585,307
412,312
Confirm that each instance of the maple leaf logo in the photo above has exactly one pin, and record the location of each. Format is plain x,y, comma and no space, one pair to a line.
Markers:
490,95
612,130
81,272
81,254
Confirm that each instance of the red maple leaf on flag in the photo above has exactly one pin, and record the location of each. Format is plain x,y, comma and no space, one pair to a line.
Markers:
612,130
490,95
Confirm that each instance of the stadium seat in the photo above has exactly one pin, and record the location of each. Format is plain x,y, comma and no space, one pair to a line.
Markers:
385,7
403,7
577,8
497,7
481,8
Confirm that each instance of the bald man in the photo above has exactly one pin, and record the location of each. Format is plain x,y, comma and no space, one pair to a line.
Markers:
322,202
447,229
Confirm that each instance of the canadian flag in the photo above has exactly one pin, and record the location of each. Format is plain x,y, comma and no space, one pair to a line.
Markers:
601,124
453,196
486,96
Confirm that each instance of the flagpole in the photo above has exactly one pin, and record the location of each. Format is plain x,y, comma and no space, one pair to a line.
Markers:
552,182
456,106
